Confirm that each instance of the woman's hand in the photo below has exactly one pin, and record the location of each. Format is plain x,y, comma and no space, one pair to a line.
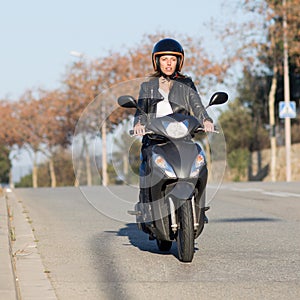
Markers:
139,129
208,126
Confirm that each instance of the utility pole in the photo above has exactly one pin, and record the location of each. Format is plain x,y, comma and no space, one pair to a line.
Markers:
287,121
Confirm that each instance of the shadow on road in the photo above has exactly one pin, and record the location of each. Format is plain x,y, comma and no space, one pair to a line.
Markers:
140,240
244,220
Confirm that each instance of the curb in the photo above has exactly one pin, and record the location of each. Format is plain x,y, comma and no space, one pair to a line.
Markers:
8,288
31,277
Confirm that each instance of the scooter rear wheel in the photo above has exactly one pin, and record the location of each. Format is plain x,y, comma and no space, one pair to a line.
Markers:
163,245
185,237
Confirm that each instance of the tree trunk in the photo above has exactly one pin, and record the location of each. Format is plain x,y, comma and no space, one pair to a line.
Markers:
78,170
78,174
88,166
125,167
272,123
52,172
35,171
104,152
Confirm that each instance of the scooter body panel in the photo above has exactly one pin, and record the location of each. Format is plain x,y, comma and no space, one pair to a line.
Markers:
163,189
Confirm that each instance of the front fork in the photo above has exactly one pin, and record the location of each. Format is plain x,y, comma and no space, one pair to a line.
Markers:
174,222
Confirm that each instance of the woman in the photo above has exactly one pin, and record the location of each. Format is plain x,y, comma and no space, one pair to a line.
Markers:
168,91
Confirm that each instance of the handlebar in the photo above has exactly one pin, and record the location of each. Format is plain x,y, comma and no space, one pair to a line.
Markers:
131,132
199,129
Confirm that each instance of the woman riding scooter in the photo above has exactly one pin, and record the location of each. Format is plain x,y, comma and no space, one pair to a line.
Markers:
167,91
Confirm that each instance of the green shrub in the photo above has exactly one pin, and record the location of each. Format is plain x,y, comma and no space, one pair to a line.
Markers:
238,161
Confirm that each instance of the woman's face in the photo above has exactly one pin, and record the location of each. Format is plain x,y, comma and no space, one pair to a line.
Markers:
168,64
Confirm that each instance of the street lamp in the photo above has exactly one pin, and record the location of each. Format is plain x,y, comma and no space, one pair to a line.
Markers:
77,54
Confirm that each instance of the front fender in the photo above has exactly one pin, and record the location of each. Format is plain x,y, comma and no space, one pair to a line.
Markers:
182,190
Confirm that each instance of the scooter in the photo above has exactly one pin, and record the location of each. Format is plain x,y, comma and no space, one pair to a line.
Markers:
176,178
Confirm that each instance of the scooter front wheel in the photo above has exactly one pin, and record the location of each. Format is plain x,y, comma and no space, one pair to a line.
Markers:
185,236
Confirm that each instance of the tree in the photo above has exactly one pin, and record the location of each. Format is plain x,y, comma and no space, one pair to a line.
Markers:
5,165
56,132
126,157
253,94
44,121
93,86
278,39
242,136
43,127
25,181
9,133
237,126
257,44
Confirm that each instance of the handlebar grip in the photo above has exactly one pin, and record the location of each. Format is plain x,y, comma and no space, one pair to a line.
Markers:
201,129
131,132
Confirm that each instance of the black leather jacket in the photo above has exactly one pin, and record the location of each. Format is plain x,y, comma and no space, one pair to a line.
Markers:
183,98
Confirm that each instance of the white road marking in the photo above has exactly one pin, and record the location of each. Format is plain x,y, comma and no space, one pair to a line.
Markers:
264,192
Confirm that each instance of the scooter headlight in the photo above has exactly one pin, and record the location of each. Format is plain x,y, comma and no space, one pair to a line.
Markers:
198,163
164,166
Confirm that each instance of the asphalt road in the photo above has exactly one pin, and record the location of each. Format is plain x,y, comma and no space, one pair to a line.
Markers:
249,250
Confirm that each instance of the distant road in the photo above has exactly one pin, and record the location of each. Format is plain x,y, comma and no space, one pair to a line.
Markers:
249,250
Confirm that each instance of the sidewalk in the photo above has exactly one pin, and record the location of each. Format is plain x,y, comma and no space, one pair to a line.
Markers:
7,279
30,276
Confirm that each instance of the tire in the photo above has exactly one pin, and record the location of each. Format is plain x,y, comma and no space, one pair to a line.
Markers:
185,236
163,245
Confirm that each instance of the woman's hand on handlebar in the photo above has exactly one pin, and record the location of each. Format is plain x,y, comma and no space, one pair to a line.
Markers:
139,129
208,126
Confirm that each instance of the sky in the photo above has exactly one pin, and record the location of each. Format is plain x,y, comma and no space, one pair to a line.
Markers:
37,36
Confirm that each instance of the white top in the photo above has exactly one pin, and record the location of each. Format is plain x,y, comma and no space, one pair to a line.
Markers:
163,107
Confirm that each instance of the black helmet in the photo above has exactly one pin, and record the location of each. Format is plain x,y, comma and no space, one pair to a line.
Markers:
167,47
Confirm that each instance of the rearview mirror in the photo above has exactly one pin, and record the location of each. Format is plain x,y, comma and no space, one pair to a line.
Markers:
218,98
127,101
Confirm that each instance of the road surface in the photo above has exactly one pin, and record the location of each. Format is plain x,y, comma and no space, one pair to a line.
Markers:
250,248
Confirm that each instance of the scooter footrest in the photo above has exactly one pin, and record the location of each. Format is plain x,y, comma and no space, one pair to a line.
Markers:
134,212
